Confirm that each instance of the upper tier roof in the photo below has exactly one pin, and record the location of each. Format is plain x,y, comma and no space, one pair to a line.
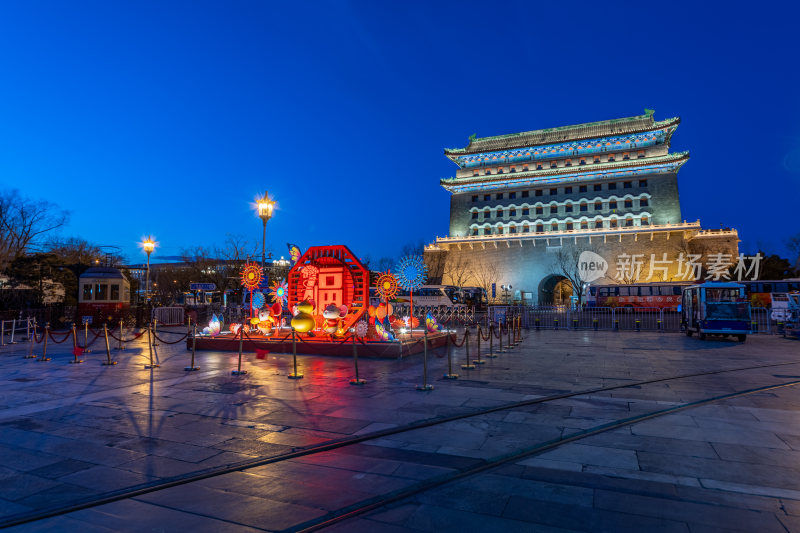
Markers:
576,132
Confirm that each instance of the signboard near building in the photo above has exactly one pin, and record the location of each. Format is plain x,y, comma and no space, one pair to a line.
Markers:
202,286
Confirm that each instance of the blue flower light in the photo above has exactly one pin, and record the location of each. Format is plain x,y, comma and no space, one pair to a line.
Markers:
258,300
411,272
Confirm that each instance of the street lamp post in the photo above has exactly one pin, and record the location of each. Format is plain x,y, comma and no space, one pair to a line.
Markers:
506,289
148,245
265,207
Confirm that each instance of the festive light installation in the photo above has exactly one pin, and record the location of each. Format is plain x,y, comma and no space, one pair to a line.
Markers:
279,292
384,330
361,328
214,326
303,321
252,274
431,323
386,285
294,252
412,273
326,275
258,300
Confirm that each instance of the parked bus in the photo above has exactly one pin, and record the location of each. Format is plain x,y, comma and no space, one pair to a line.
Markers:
666,295
474,297
760,291
715,308
435,296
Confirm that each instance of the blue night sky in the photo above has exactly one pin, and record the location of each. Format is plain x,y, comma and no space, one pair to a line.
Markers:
169,117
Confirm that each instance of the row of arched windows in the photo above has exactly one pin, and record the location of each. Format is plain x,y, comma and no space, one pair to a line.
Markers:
557,208
541,226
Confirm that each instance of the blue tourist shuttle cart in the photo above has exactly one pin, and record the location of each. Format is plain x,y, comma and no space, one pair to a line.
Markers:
715,308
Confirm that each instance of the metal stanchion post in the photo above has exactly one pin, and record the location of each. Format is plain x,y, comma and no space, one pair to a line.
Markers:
468,366
357,380
30,340
150,344
239,371
536,322
490,355
500,348
638,325
120,347
28,327
514,331
86,337
449,374
13,329
555,323
509,327
294,375
109,362
478,360
75,359
194,343
425,385
155,331
2,332
44,350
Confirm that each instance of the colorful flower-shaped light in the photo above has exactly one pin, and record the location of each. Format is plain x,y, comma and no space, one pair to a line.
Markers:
251,276
386,286
279,292
258,300
412,272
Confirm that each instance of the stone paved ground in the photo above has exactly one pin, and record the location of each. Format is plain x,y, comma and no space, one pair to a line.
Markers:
71,432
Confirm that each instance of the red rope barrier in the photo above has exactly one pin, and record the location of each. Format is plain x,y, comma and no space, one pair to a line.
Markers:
96,336
66,336
454,339
155,334
136,336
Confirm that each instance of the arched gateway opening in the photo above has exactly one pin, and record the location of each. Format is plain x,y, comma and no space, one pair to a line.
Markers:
555,290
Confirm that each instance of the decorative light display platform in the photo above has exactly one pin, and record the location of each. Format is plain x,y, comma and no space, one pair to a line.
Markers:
328,296
281,343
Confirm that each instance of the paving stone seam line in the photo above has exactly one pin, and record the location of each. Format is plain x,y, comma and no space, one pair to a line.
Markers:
332,445
377,502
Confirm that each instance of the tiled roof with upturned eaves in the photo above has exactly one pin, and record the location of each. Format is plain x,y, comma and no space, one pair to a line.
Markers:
564,133
677,157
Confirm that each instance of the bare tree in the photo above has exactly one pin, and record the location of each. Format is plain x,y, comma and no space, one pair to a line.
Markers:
75,250
793,244
23,224
221,264
485,274
412,248
458,270
385,263
566,264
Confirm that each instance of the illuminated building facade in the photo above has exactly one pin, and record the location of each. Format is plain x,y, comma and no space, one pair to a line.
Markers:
610,187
